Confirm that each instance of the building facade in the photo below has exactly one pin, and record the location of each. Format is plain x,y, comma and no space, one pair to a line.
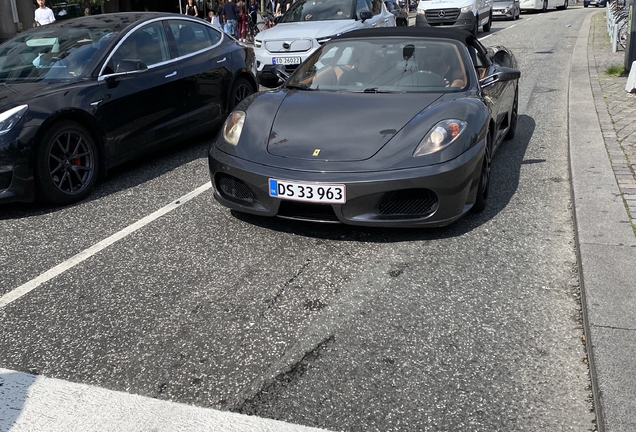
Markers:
18,15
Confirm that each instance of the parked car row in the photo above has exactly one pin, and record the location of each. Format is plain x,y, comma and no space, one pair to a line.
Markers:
390,126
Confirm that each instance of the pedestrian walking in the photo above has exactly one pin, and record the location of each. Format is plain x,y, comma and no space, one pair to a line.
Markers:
253,10
191,9
231,13
213,19
43,14
242,21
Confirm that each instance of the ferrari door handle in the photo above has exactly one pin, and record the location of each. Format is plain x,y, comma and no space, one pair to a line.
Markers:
171,75
222,60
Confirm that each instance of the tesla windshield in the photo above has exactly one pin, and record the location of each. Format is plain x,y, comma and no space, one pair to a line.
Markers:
59,54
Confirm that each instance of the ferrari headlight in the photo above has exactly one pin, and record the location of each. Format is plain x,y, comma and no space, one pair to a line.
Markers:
9,118
233,127
440,136
468,8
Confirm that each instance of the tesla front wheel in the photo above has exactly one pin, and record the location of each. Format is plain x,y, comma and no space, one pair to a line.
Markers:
240,90
67,164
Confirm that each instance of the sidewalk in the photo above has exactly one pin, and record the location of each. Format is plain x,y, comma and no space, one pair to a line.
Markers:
602,133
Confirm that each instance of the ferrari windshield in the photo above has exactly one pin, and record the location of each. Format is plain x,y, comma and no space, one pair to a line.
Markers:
59,54
319,10
384,65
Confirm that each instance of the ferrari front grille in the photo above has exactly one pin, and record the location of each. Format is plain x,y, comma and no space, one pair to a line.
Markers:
409,204
234,189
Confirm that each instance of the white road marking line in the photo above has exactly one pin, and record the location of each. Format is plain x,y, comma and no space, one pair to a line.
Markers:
87,253
33,403
506,28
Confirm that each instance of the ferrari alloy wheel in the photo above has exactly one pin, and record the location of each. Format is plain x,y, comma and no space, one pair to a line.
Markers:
484,179
66,164
240,90
486,26
513,117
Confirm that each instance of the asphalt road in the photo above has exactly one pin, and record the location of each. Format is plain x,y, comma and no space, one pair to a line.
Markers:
474,327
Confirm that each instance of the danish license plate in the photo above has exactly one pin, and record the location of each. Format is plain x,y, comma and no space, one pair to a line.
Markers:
286,60
308,192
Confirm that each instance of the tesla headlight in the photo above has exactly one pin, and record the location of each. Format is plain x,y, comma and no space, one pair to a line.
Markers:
9,118
468,8
258,44
440,136
233,127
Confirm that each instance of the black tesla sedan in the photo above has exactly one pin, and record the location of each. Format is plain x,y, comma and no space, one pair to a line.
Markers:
380,127
83,95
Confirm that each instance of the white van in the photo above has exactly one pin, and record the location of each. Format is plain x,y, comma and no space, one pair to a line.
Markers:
464,14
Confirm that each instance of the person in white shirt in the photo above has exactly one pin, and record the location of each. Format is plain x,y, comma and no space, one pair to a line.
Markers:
43,15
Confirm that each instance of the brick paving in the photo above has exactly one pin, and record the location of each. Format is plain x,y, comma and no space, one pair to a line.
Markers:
616,110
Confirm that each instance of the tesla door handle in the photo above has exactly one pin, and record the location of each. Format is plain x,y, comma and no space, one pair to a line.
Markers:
171,75
222,60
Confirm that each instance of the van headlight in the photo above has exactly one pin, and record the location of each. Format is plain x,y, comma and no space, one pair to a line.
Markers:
468,8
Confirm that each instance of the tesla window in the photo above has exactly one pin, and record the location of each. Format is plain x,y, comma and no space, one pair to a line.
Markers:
192,37
147,44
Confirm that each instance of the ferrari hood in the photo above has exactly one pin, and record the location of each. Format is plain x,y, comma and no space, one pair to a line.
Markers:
340,126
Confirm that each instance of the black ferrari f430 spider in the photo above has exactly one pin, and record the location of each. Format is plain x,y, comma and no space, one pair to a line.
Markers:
380,127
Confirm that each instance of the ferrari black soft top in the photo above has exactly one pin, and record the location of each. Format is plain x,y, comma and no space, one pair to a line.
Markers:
462,36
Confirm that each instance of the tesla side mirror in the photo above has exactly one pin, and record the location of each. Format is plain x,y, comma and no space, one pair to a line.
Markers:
501,75
365,15
131,65
280,71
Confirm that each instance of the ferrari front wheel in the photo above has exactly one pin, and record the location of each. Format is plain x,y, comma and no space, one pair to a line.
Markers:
512,129
484,178
486,27
240,90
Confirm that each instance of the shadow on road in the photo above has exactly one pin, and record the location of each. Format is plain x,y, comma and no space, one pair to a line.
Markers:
13,394
125,176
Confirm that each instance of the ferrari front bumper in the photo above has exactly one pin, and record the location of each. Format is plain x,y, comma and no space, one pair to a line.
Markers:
433,195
